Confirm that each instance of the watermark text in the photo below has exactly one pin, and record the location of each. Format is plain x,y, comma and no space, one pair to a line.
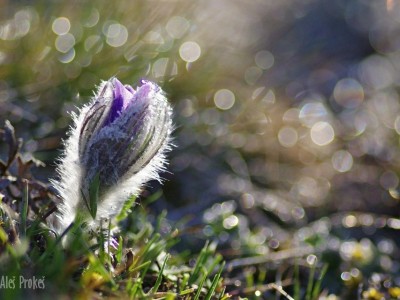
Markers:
21,282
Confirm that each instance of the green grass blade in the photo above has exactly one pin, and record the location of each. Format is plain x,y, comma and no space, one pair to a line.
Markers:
126,209
216,261
24,211
3,236
143,265
317,286
135,288
118,254
310,282
296,288
200,260
222,295
198,292
187,291
214,283
152,198
160,275
184,281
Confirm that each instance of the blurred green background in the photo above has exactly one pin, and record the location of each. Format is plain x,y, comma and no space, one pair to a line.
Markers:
286,112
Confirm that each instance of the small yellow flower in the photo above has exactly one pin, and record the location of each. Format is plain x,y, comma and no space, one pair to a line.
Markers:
373,294
92,279
359,252
395,292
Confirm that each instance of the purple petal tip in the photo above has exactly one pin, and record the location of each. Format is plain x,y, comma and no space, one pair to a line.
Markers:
122,95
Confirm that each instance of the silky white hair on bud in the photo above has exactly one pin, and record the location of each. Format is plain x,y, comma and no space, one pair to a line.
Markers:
144,127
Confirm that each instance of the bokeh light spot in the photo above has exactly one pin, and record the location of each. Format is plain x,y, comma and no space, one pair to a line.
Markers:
310,113
298,213
267,98
348,93
264,59
376,72
322,133
346,276
274,243
160,67
67,57
342,161
247,201
307,187
230,222
311,259
397,125
224,99
93,19
190,51
19,26
389,180
291,115
61,26
287,136
349,221
117,35
65,42
252,74
393,223
177,27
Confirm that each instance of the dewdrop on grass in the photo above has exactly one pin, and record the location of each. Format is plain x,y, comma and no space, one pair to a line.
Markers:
117,143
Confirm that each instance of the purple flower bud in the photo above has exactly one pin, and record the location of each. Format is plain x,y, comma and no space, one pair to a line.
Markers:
117,144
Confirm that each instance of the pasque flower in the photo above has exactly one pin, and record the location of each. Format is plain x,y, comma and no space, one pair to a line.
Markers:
117,143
